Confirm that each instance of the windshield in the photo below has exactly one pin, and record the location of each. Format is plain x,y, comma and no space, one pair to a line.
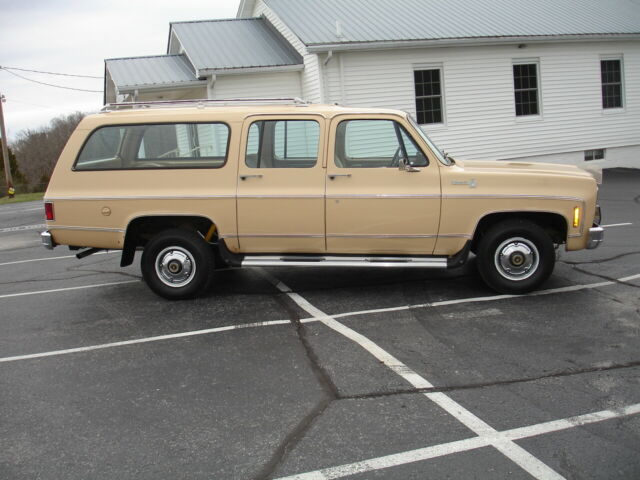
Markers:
432,146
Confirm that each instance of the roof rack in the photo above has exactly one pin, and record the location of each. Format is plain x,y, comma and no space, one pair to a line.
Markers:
204,102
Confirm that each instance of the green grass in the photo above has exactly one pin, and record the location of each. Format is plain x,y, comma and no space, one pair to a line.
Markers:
22,197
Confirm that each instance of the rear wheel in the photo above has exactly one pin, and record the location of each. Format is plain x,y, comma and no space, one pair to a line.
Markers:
177,264
515,256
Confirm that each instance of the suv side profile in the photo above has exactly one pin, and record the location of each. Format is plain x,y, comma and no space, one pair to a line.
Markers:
206,185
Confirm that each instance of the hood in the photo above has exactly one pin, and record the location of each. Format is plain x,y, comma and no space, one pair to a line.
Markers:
471,166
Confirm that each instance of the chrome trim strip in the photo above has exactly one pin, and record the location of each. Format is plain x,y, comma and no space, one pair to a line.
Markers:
384,195
92,229
373,235
280,196
542,197
143,197
273,235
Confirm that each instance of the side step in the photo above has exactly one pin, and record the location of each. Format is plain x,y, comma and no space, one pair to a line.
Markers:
335,261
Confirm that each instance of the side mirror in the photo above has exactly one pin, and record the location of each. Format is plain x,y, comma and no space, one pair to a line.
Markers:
405,165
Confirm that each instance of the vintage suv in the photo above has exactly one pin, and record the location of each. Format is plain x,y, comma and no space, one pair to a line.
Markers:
203,185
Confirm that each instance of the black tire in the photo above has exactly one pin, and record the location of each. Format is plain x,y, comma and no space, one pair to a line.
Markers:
515,256
177,264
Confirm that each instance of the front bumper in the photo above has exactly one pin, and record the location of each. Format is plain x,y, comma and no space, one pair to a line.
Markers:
595,238
47,240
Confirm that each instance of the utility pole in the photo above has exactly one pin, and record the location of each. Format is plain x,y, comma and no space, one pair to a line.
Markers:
5,152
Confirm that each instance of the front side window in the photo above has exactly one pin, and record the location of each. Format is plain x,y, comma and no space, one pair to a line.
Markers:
428,95
375,144
611,77
172,145
283,144
525,86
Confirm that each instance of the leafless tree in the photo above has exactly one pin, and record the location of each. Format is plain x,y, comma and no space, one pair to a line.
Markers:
37,150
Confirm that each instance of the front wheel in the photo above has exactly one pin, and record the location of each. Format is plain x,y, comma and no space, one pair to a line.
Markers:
177,264
515,256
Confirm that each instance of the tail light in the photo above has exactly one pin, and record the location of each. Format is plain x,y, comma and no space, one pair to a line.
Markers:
48,211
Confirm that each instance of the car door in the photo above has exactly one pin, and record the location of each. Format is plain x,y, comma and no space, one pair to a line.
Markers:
280,193
383,190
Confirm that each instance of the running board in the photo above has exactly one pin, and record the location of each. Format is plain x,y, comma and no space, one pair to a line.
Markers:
334,261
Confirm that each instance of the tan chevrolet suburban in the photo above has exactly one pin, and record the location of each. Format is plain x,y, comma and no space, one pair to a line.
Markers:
205,185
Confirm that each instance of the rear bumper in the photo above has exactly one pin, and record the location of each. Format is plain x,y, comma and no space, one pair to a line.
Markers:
595,238
47,240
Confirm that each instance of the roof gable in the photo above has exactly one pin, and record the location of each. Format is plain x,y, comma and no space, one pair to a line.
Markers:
218,45
368,21
153,71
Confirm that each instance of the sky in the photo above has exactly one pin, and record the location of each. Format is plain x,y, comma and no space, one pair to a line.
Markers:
74,37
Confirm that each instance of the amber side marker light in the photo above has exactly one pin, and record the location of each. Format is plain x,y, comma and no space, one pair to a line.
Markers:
48,211
576,217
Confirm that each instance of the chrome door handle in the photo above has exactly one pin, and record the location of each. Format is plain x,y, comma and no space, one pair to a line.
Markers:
334,175
244,177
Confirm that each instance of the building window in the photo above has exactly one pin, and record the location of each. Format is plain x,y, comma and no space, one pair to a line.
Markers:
428,86
611,74
525,86
597,154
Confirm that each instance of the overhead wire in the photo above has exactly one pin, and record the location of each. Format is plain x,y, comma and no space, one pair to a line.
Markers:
49,73
49,84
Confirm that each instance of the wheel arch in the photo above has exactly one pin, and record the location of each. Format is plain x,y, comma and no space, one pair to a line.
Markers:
141,228
554,223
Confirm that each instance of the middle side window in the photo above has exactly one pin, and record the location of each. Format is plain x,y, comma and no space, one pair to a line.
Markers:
283,144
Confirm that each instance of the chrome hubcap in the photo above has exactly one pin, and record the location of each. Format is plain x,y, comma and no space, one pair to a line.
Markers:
175,266
517,258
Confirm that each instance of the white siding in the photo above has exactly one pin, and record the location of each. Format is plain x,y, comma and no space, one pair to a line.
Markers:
278,85
310,75
480,119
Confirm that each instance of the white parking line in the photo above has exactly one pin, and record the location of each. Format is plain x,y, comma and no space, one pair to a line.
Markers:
144,340
507,447
441,450
617,225
275,322
14,212
51,258
491,298
21,228
55,290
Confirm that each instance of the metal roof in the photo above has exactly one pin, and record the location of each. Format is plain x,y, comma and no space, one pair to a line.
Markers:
344,22
146,72
218,45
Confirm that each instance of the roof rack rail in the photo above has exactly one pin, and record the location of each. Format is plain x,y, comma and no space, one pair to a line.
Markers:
203,102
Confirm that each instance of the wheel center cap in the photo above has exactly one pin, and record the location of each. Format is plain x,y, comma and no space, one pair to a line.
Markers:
174,266
517,259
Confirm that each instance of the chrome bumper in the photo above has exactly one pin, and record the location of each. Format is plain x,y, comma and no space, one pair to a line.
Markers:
47,240
595,238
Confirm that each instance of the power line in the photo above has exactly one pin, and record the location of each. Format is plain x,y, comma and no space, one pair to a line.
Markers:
50,84
50,73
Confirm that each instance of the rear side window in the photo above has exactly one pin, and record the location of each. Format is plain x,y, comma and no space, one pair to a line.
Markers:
283,144
174,145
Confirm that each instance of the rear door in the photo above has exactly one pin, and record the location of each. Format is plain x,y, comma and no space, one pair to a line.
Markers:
281,185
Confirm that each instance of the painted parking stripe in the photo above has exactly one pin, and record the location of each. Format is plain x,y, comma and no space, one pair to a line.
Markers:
507,447
157,338
441,450
491,298
617,225
50,258
281,287
67,289
16,212
21,228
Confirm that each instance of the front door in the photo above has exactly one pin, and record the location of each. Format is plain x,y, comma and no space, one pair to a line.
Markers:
281,185
383,190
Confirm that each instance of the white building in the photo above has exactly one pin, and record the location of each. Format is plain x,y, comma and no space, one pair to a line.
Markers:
539,80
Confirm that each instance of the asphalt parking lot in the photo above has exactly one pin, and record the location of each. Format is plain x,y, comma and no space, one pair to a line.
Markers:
321,373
